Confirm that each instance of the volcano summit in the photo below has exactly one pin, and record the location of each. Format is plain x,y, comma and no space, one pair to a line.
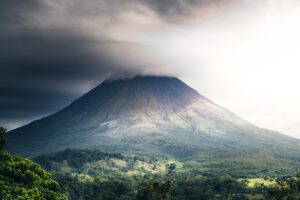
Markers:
147,115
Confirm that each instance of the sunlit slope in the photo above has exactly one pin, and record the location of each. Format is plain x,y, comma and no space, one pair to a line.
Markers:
147,115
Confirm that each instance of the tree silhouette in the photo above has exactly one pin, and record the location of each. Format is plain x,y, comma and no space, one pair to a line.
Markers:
2,137
155,190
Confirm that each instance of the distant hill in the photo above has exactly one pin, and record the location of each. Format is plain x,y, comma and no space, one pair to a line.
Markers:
148,115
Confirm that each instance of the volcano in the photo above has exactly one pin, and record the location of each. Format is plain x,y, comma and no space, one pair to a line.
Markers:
147,115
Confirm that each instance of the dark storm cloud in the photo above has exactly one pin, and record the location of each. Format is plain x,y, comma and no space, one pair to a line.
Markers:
43,70
168,10
175,10
49,56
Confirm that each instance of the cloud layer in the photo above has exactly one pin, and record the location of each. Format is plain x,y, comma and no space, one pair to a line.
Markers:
53,51
242,54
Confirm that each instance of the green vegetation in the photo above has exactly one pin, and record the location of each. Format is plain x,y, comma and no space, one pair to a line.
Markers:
21,179
2,137
155,191
86,174
254,182
95,175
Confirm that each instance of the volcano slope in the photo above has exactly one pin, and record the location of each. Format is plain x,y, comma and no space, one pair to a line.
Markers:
151,116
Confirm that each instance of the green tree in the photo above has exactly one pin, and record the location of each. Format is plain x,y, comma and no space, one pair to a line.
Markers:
22,179
2,137
155,190
285,190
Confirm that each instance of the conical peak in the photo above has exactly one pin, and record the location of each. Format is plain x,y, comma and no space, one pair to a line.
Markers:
160,87
135,95
141,78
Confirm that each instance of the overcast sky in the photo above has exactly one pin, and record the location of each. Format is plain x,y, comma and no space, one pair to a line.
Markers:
242,54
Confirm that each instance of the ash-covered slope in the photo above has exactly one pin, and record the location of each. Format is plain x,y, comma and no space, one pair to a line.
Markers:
147,115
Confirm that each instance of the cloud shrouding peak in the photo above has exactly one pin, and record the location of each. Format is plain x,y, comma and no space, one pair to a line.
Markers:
53,51
242,54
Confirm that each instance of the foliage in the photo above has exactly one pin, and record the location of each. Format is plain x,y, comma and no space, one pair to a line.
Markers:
74,158
155,190
2,137
284,190
22,179
96,189
209,188
98,175
254,182
94,175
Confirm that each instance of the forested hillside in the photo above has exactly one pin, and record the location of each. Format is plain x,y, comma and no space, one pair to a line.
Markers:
93,175
22,179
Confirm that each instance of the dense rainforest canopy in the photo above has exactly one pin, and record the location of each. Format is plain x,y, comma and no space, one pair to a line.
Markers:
95,175
22,179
